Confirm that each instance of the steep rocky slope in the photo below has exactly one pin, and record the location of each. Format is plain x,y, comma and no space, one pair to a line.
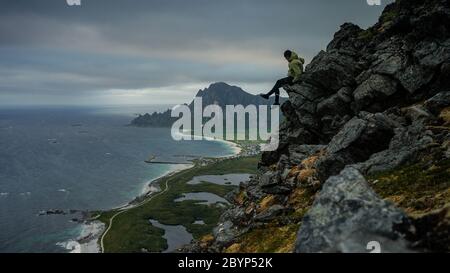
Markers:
365,148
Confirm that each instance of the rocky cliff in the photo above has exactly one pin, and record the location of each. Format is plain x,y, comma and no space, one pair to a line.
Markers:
365,148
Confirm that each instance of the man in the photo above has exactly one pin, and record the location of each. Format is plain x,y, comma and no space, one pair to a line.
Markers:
295,70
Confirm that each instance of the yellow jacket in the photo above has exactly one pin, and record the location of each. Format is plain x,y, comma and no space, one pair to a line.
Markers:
295,66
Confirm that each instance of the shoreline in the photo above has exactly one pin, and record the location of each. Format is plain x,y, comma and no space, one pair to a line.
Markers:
92,229
236,149
149,187
86,242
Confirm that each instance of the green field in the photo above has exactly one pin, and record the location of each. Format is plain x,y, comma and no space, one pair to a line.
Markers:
131,231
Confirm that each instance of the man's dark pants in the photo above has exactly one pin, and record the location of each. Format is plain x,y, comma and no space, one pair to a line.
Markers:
280,83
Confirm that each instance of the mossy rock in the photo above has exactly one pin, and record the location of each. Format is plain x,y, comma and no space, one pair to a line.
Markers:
367,35
268,239
418,189
388,16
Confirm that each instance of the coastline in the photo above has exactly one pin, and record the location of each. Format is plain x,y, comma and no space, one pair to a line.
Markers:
92,229
236,149
151,187
86,242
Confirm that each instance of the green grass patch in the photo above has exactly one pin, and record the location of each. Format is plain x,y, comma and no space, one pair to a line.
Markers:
367,35
388,16
269,239
417,188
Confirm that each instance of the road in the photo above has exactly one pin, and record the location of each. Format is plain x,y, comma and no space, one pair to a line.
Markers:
102,247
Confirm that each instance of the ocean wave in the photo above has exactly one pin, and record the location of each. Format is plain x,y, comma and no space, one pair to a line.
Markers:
87,240
71,245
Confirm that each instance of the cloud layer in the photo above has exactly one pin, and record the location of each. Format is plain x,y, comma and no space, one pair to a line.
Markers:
157,51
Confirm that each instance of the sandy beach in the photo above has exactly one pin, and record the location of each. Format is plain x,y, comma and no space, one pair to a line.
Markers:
234,147
151,187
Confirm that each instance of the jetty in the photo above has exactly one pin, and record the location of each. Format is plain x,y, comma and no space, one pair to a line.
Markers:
151,160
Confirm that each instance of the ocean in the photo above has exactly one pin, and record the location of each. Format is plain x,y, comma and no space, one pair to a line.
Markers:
70,158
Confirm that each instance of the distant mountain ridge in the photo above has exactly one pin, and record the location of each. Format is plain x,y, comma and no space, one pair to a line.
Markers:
223,94
218,93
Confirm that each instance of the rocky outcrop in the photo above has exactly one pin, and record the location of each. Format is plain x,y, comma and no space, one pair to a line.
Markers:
375,101
347,215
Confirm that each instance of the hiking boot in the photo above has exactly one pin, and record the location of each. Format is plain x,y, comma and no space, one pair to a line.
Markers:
265,96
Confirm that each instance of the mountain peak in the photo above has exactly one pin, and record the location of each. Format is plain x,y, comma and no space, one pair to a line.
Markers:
219,85
222,94
219,93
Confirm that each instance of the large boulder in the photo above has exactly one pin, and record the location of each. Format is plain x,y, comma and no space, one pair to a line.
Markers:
346,38
297,153
356,142
347,215
336,104
404,148
332,70
375,89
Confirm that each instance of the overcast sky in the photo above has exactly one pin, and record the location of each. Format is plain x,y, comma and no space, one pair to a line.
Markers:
158,51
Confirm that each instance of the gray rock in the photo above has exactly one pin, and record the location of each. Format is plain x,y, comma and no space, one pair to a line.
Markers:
364,76
337,103
344,38
403,148
356,142
269,179
351,131
225,233
376,88
303,93
432,54
414,77
235,214
279,189
438,102
297,153
332,70
255,192
347,215
417,113
271,213
390,64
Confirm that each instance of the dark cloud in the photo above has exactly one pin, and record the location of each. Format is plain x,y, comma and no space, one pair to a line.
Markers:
139,47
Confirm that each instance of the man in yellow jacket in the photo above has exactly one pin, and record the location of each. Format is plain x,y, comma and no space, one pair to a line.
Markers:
295,70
